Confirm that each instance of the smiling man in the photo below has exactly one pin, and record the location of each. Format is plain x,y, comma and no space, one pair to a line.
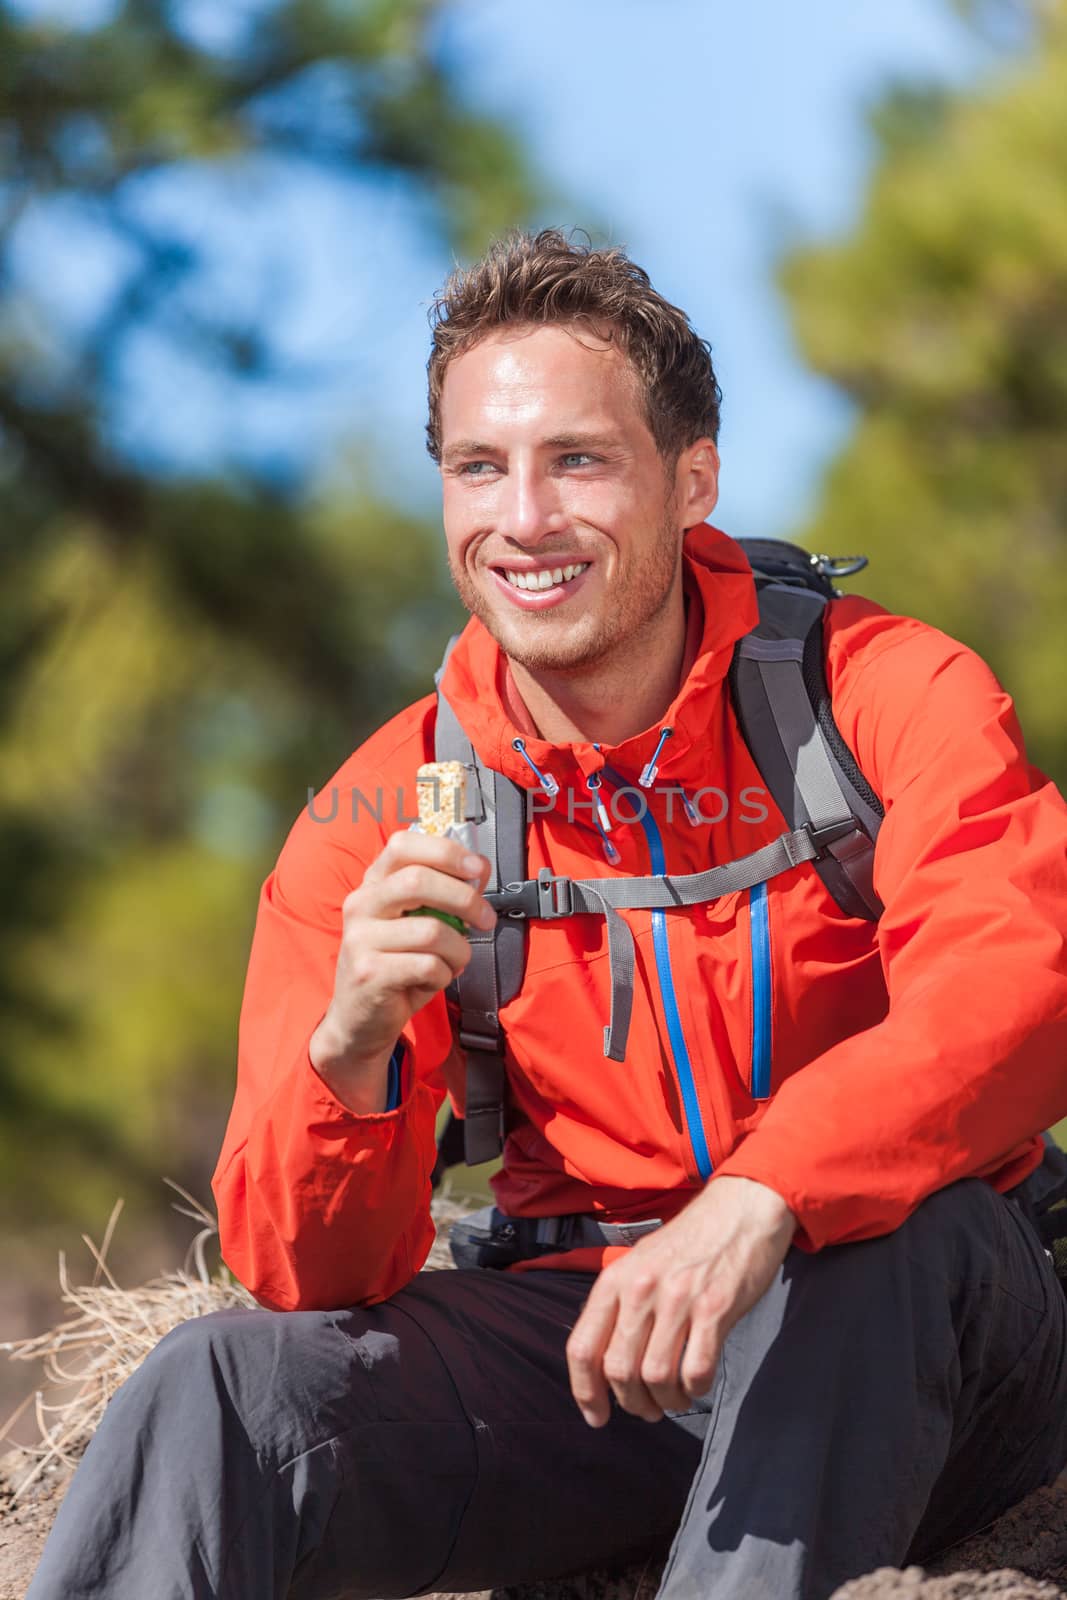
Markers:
562,519
761,1286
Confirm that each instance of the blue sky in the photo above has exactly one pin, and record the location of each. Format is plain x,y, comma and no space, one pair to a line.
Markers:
704,136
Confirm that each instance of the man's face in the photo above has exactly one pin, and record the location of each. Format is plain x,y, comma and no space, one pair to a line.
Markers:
551,477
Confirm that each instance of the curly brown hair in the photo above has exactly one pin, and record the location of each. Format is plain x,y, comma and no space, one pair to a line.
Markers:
547,278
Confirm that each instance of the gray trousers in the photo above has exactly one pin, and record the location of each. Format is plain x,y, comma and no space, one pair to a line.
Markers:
882,1401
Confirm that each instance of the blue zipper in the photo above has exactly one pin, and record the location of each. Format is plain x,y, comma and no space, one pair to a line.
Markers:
679,1049
759,927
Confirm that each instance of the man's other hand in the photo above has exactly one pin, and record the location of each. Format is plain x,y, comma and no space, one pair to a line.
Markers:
654,1325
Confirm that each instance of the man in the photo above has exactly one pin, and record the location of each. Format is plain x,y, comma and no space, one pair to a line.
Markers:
848,1342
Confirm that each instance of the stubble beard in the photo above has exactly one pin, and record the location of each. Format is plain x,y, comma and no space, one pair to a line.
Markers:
537,641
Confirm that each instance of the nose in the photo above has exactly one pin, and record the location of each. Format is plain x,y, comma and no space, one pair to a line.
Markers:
529,505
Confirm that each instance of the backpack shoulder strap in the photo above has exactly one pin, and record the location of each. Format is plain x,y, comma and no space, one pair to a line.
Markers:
496,811
782,704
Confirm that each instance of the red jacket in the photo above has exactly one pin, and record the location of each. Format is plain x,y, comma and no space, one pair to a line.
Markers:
902,1056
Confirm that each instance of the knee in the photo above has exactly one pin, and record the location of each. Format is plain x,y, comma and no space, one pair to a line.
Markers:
222,1340
928,1238
910,1277
286,1379
207,1358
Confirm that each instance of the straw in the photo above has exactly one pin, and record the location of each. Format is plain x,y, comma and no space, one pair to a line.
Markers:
110,1330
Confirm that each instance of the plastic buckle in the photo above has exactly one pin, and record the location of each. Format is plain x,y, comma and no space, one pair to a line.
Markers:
471,1039
516,900
823,838
553,896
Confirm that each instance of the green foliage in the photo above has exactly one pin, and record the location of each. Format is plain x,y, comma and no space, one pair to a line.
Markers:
944,318
180,660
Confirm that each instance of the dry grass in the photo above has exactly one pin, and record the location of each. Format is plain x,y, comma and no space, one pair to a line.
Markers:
107,1335
110,1330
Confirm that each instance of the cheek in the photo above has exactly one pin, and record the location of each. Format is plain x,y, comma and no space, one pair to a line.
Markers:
614,509
603,503
462,523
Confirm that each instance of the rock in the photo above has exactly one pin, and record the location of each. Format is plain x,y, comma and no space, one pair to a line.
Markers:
890,1583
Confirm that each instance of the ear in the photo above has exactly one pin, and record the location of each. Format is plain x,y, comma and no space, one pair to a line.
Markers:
696,482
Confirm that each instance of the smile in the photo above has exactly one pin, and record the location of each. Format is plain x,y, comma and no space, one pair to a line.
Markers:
544,588
546,578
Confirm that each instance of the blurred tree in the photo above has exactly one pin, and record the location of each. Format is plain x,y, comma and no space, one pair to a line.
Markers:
944,318
179,659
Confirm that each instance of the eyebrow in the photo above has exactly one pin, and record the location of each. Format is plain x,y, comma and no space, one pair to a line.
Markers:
582,441
465,448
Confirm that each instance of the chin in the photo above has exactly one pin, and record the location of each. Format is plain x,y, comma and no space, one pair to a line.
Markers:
543,650
538,644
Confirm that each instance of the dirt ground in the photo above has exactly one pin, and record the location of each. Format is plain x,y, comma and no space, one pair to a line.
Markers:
1023,1556
1030,1542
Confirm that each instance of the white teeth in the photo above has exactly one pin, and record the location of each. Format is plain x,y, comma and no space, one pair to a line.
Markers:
546,578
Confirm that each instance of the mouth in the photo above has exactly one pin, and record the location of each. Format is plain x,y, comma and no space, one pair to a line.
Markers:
542,586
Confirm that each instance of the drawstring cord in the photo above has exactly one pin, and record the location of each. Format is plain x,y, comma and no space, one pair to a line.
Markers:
648,777
648,772
548,783
601,819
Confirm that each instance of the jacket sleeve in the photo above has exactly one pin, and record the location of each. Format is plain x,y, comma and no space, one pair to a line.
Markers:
970,1060
320,1207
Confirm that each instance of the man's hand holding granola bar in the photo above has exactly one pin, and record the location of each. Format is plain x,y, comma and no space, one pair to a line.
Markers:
396,950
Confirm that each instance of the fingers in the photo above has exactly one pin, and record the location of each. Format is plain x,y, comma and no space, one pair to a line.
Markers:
707,1336
628,1342
446,855
424,872
585,1353
413,970
652,1330
625,1352
675,1317
422,936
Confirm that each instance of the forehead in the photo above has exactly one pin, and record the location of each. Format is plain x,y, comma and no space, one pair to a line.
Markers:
529,374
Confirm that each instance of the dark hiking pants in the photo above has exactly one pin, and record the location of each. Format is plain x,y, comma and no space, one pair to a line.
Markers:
881,1401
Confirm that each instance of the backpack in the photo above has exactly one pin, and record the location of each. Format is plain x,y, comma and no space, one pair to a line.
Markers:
777,684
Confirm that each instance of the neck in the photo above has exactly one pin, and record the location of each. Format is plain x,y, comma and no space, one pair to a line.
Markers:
612,700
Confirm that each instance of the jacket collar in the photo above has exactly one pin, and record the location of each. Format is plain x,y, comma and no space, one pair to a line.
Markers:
718,583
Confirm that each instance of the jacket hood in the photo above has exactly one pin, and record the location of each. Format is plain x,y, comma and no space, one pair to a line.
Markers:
718,581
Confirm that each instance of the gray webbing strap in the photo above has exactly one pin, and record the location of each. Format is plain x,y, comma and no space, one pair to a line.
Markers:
799,763
491,978
494,972
550,897
779,662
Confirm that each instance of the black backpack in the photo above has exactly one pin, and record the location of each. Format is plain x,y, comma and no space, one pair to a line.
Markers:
777,683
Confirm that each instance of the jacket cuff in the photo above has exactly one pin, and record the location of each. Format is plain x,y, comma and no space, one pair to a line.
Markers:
396,1101
396,1062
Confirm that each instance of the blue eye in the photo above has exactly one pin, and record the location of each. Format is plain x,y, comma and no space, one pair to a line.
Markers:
576,456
